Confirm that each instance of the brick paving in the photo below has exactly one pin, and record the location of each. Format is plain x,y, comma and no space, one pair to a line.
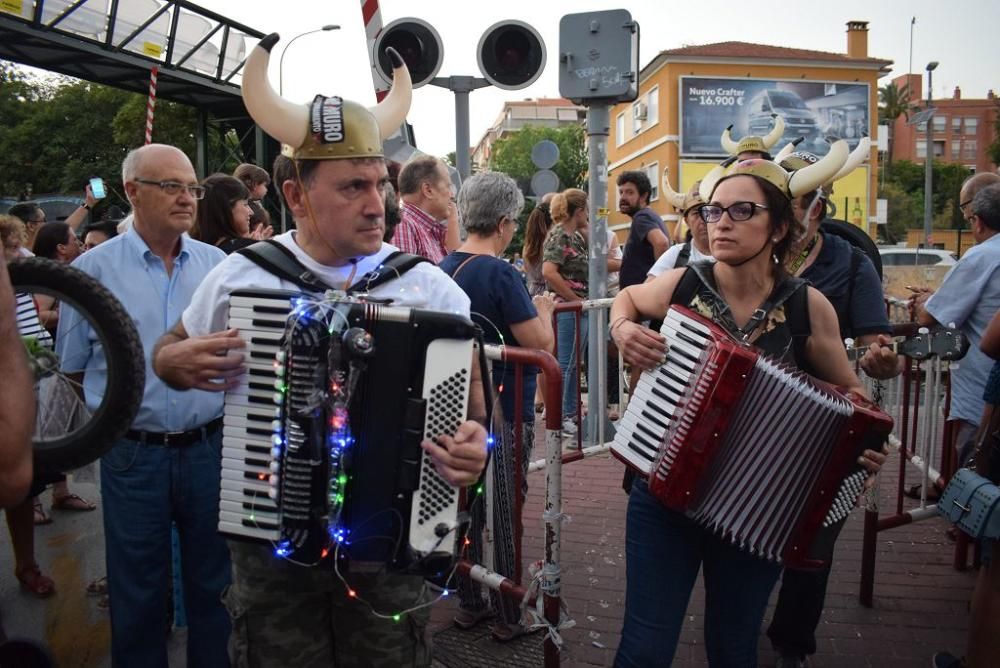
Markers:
920,606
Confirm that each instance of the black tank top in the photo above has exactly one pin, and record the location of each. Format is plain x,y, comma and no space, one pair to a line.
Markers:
786,327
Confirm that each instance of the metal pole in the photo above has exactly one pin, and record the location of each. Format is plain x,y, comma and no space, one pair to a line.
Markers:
928,164
462,133
598,125
461,86
913,22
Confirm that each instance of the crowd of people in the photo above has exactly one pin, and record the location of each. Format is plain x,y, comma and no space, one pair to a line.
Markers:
756,261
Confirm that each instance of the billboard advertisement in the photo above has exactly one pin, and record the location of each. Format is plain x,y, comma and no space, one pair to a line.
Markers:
813,110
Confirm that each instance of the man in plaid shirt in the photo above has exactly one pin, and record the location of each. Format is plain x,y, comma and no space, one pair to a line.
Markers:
428,224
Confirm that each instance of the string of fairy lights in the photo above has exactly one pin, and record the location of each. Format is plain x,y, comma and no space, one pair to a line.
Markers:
340,439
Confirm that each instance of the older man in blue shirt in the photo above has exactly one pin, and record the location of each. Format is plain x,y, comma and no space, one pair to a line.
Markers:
167,467
969,296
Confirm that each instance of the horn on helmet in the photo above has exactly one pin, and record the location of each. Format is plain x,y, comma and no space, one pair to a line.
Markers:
776,132
854,160
675,198
809,178
391,112
728,145
708,183
787,149
286,122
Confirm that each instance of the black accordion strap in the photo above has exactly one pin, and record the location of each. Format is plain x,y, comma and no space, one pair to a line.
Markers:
278,260
393,266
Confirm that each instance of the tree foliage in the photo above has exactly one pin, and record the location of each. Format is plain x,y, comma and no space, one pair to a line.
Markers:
58,134
894,101
993,150
512,155
904,190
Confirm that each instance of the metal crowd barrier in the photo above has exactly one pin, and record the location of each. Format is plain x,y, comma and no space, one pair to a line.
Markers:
550,587
918,401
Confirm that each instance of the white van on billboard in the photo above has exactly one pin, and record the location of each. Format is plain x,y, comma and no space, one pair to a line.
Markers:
813,110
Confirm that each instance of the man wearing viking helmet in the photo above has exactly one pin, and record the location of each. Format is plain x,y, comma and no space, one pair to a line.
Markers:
332,174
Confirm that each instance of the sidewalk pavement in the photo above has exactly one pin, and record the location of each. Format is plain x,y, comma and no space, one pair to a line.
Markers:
921,604
920,607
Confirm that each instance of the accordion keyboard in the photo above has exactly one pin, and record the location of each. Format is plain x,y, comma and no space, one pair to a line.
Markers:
246,506
661,394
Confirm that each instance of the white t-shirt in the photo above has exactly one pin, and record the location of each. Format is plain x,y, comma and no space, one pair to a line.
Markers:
669,258
424,286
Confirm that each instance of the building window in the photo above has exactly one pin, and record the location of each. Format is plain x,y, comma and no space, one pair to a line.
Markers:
620,129
921,148
969,149
971,125
956,124
653,172
653,105
939,123
939,148
956,148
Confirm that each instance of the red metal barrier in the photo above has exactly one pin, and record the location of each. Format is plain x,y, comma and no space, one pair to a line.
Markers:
913,395
551,588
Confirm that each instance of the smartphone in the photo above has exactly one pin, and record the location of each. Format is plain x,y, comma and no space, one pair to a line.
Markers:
97,187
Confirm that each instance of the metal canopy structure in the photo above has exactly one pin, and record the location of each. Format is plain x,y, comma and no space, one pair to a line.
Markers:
199,54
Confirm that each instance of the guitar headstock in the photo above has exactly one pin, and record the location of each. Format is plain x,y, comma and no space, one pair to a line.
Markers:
949,344
946,343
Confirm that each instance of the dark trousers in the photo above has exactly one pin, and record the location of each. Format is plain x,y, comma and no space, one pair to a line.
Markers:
800,604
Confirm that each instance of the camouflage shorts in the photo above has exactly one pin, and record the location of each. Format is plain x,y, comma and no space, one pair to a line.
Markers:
286,615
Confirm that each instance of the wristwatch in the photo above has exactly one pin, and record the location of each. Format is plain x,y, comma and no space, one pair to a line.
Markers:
85,206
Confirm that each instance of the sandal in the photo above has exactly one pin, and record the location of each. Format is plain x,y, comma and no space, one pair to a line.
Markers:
539,406
466,619
98,587
508,632
32,580
72,502
40,516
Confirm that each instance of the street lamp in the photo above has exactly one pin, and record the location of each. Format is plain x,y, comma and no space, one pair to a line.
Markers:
281,61
928,154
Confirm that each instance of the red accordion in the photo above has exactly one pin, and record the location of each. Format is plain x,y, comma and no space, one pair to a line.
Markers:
753,450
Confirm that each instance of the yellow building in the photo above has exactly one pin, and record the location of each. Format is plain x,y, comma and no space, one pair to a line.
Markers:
688,96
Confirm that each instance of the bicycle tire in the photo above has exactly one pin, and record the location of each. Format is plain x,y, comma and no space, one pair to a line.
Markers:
126,367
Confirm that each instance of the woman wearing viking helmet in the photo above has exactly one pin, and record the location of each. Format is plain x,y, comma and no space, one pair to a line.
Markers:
749,293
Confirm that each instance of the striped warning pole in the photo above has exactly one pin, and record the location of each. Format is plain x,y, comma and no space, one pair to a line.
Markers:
151,104
372,16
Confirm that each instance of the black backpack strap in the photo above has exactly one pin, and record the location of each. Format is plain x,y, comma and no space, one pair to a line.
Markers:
683,256
797,318
393,266
856,255
278,260
687,288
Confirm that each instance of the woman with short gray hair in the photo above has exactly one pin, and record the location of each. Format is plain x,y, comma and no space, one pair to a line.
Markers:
488,206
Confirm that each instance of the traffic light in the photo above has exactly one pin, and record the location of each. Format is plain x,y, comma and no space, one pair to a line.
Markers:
417,42
511,55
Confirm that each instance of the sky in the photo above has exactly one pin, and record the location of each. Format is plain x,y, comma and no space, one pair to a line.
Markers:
960,35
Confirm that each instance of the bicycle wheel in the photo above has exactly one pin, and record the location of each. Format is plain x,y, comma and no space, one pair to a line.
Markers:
67,434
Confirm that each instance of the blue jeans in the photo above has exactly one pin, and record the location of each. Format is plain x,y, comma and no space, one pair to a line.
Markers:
143,489
566,354
663,551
